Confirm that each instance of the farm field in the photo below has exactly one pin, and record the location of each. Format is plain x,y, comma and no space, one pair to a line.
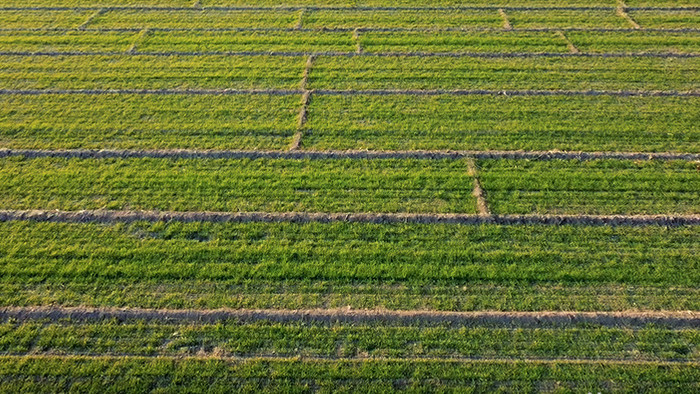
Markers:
350,196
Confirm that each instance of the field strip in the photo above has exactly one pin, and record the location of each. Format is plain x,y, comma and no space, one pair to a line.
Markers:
359,154
352,29
104,216
478,191
345,8
344,315
487,55
367,92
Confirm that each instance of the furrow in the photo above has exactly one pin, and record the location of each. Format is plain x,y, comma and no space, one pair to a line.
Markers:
368,92
346,8
516,319
360,154
104,216
351,29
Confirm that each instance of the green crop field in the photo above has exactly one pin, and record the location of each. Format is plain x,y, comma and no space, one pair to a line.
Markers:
350,196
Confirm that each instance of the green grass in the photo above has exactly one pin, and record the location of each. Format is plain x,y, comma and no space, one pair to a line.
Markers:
194,19
42,19
401,266
510,123
565,19
151,72
383,339
407,19
147,121
500,42
592,187
677,19
635,42
71,41
505,74
247,41
39,373
238,185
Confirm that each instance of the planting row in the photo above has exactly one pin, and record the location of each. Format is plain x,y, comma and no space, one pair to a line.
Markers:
349,73
370,42
327,265
391,122
349,185
349,18
386,339
46,373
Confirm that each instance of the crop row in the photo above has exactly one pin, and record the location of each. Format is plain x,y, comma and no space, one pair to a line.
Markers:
391,122
349,73
329,41
347,3
264,338
349,18
346,185
398,266
39,373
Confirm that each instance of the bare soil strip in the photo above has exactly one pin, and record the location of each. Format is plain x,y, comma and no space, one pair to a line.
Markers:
517,319
336,8
102,216
478,192
487,55
569,44
622,12
368,92
356,38
361,154
300,20
506,22
305,102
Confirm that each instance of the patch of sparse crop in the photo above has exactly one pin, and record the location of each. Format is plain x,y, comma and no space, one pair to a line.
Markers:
565,19
585,123
496,42
68,41
591,187
151,72
667,19
288,265
42,19
612,74
231,41
391,185
636,42
147,121
194,18
386,339
403,18
41,373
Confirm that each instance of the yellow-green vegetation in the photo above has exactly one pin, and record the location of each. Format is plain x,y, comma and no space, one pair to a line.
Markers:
349,271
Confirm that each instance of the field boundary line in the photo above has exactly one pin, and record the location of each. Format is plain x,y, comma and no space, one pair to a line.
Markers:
352,29
348,154
569,44
139,37
506,23
90,18
305,101
622,12
345,315
105,216
345,8
349,92
495,55
478,192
